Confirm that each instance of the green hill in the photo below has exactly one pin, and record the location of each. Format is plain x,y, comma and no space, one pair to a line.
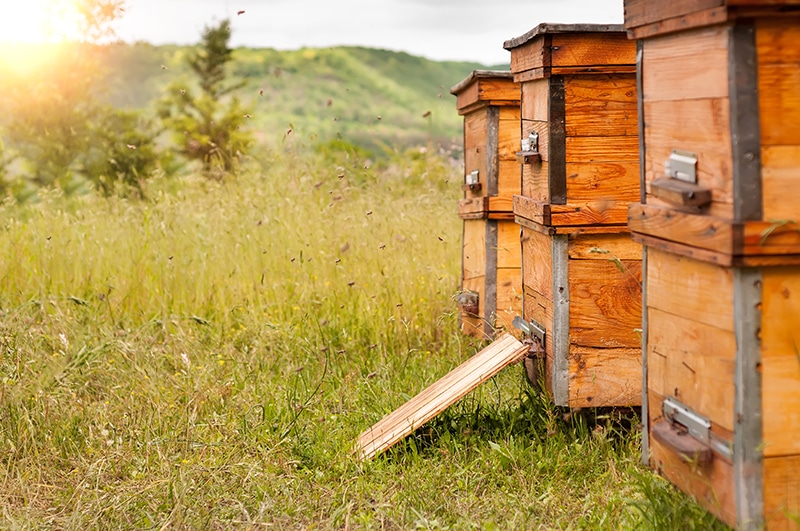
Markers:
373,98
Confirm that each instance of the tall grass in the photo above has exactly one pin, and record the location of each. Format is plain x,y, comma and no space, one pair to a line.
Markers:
205,359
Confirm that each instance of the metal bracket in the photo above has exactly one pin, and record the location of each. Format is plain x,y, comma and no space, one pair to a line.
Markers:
682,165
529,147
530,328
698,426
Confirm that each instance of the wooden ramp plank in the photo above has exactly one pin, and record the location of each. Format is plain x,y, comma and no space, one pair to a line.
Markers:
439,396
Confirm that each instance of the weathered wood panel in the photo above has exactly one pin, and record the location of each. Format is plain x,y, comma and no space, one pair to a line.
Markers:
535,100
531,55
540,309
603,149
601,105
475,156
509,178
509,297
605,299
509,252
643,12
604,247
688,65
696,290
537,262
780,173
474,273
780,351
694,362
707,232
439,396
590,49
782,492
601,181
604,377
535,179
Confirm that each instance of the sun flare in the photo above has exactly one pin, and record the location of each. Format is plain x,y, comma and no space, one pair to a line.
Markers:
39,21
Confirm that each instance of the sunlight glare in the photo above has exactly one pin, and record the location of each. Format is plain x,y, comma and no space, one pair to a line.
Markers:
38,21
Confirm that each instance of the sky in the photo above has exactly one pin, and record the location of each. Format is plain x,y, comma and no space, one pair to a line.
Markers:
458,30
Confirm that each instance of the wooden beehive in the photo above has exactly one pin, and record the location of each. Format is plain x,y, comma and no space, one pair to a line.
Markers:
718,216
578,151
491,289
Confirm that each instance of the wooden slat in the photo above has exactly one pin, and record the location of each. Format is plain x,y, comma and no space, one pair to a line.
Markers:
605,247
780,172
602,105
439,396
535,100
782,492
605,302
603,181
603,149
779,104
643,12
509,296
537,262
592,49
509,248
705,232
473,274
780,351
509,178
475,125
601,377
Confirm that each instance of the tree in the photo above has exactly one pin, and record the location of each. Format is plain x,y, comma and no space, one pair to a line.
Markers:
208,121
57,125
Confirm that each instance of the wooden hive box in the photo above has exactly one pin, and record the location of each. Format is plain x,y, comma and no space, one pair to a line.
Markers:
718,216
579,158
491,286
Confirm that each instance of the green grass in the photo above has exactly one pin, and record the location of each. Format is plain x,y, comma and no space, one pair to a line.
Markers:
205,360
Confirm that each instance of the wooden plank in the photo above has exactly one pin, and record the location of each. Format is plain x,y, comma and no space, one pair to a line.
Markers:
780,358
591,70
475,125
592,49
779,104
535,179
473,273
698,19
693,362
439,396
701,126
537,262
778,237
589,213
532,54
605,303
601,377
680,193
696,290
782,492
509,297
643,12
777,39
510,134
509,248
613,246
601,105
473,208
509,178
780,168
603,181
705,232
603,149
536,211
704,255
534,101
500,204
688,65
487,88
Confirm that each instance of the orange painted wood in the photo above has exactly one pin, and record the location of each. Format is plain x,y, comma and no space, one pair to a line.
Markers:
436,398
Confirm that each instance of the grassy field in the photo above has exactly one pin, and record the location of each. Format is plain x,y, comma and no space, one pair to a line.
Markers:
205,359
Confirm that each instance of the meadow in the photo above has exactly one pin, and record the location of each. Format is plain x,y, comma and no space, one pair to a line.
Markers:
206,358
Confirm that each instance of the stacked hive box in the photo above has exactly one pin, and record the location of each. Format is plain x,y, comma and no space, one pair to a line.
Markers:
580,163
720,106
490,283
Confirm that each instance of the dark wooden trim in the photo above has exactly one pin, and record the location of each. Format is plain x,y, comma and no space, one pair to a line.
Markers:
490,284
640,112
557,148
745,123
492,147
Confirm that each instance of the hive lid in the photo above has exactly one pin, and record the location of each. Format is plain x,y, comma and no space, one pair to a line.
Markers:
480,74
551,27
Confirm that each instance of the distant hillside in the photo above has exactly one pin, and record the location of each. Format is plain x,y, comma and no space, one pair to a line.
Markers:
372,98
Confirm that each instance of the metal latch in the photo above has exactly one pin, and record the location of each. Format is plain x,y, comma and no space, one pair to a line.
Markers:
697,426
529,147
682,165
473,177
536,335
